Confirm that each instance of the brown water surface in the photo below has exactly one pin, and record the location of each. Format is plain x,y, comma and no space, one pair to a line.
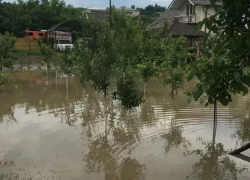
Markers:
51,128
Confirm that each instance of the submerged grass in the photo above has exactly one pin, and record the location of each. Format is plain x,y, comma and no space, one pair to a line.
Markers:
21,53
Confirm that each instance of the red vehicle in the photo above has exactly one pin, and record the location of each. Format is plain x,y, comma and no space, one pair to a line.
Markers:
35,34
42,34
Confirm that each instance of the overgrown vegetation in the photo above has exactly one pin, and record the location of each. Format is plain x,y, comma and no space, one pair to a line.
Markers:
34,15
121,59
129,52
42,14
150,13
7,50
221,68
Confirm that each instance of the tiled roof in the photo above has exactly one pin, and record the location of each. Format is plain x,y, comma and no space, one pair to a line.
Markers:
168,15
184,29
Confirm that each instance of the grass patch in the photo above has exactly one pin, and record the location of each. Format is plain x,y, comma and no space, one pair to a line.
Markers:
20,53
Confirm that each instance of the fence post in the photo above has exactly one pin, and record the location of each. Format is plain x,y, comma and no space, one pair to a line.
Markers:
30,44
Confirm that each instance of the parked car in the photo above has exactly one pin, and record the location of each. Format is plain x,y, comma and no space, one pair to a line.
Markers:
63,44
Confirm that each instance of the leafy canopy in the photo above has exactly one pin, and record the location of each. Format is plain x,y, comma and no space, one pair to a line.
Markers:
7,49
223,68
119,60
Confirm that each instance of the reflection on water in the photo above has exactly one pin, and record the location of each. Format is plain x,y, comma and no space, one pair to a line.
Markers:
53,128
213,161
174,137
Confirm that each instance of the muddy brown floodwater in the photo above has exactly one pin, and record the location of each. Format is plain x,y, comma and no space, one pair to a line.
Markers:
49,130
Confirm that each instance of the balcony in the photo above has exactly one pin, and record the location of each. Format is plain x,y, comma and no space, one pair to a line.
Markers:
187,18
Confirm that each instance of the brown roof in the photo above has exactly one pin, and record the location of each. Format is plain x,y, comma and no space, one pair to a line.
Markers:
184,29
168,15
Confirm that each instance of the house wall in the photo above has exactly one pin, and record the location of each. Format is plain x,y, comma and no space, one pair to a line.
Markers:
136,13
200,12
182,9
183,12
210,12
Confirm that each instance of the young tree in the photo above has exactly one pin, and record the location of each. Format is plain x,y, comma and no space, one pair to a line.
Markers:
223,73
223,66
7,48
124,57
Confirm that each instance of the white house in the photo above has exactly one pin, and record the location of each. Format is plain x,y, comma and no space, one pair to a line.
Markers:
193,11
182,17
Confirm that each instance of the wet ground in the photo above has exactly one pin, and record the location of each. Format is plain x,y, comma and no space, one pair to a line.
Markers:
53,128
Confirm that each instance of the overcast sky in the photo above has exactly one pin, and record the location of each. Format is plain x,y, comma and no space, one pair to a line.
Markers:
117,3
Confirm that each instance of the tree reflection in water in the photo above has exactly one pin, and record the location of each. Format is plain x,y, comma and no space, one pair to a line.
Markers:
24,92
7,116
214,163
68,114
174,137
5,163
105,148
242,132
103,158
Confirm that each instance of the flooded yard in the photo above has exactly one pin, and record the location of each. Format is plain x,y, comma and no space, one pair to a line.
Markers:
53,128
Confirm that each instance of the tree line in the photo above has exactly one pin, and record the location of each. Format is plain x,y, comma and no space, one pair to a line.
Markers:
150,13
34,15
42,14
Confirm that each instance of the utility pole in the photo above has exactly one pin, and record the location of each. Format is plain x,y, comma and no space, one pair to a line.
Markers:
110,12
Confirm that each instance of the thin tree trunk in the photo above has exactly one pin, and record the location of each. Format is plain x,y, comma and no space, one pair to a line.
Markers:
214,132
83,94
215,111
67,86
56,78
47,70
242,157
238,151
106,118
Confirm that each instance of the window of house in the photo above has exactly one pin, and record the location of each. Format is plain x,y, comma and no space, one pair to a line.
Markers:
40,34
30,33
190,9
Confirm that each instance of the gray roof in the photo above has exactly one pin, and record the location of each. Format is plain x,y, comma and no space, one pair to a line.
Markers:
184,29
168,15
176,28
204,2
175,4
73,25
